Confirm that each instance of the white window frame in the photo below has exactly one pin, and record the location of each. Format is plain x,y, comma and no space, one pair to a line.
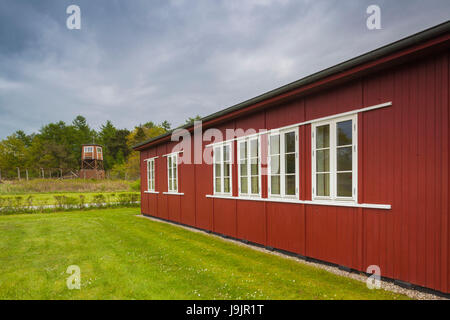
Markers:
222,180
333,159
99,150
86,149
283,194
249,175
151,174
174,158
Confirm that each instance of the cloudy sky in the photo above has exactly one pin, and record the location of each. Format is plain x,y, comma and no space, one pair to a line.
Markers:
136,61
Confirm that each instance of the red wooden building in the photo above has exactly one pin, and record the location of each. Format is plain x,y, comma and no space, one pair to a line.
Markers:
349,166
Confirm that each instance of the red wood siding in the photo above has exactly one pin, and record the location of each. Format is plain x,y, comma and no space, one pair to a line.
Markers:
402,160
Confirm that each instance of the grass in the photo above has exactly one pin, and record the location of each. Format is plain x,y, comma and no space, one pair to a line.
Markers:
122,256
70,185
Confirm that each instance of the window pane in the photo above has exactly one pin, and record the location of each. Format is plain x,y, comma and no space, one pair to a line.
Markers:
226,185
323,184
275,184
244,185
344,184
254,166
255,185
254,148
169,162
323,137
274,144
175,184
289,141
290,184
218,189
290,163
170,185
323,161
244,168
243,150
175,172
218,171
344,133
226,170
344,159
226,153
170,173
275,164
217,155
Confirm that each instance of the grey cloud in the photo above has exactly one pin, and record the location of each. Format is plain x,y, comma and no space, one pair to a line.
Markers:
136,61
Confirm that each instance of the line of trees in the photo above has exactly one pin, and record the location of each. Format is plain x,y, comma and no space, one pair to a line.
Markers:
58,145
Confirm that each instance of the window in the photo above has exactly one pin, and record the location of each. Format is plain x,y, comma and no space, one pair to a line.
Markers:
88,149
283,164
99,150
249,170
334,159
151,175
172,172
222,169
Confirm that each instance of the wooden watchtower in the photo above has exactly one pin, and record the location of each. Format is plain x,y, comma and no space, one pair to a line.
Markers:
92,162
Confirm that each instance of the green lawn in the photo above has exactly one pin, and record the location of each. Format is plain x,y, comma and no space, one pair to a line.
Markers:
122,256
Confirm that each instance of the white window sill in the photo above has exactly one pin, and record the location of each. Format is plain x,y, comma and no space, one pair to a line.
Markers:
222,196
173,193
151,192
315,202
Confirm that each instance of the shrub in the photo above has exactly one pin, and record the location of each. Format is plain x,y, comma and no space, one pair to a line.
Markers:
18,201
99,200
70,202
29,201
82,201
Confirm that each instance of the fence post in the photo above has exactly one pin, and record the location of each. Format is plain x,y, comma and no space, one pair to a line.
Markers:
26,172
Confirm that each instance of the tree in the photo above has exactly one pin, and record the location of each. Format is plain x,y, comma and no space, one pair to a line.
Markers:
138,135
166,125
114,142
82,134
191,120
12,155
58,145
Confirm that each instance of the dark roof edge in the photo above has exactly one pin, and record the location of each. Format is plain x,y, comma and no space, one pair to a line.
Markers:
369,56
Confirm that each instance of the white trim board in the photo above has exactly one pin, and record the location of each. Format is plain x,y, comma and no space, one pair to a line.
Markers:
319,203
338,115
173,193
146,160
169,154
